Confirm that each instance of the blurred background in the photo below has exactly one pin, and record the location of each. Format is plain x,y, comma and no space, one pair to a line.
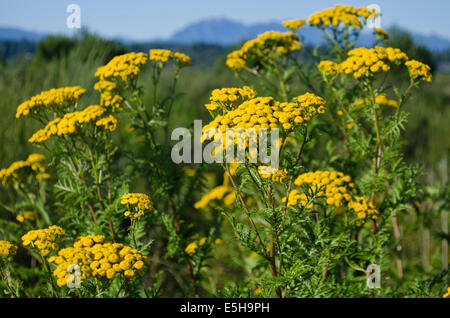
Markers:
39,50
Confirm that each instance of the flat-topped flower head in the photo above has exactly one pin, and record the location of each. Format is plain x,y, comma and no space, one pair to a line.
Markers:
419,70
382,33
363,208
68,124
294,25
226,98
98,258
54,100
44,239
26,215
182,59
268,45
364,63
266,113
223,192
123,67
342,14
138,204
104,85
19,169
334,186
380,99
109,122
161,55
276,174
7,249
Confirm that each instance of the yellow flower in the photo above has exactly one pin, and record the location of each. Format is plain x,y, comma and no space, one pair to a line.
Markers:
109,122
381,32
419,70
363,208
380,100
202,241
226,98
190,249
328,67
364,62
342,14
123,67
53,100
161,55
447,294
26,215
332,185
7,248
96,257
182,59
140,202
43,239
18,169
68,124
294,24
265,112
267,45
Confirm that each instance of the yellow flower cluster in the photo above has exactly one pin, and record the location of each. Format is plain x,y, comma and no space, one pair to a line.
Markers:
182,59
266,113
328,67
225,192
109,122
380,100
193,246
294,24
68,124
277,175
347,15
264,46
97,258
335,186
52,99
26,215
43,239
108,98
34,162
109,94
104,85
123,67
163,56
381,32
363,208
366,62
419,70
225,98
140,203
6,248
447,294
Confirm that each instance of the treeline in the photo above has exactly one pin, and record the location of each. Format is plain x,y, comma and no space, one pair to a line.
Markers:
87,46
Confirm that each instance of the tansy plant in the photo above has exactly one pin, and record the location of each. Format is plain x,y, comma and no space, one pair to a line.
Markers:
89,215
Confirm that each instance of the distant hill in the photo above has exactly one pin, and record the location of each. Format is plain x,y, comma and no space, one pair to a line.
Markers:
15,34
225,32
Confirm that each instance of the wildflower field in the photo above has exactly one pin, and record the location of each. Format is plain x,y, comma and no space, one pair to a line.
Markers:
92,205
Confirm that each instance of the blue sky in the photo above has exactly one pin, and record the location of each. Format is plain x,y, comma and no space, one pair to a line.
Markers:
143,20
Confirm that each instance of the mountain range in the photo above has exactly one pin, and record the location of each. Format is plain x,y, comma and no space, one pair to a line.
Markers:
228,32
